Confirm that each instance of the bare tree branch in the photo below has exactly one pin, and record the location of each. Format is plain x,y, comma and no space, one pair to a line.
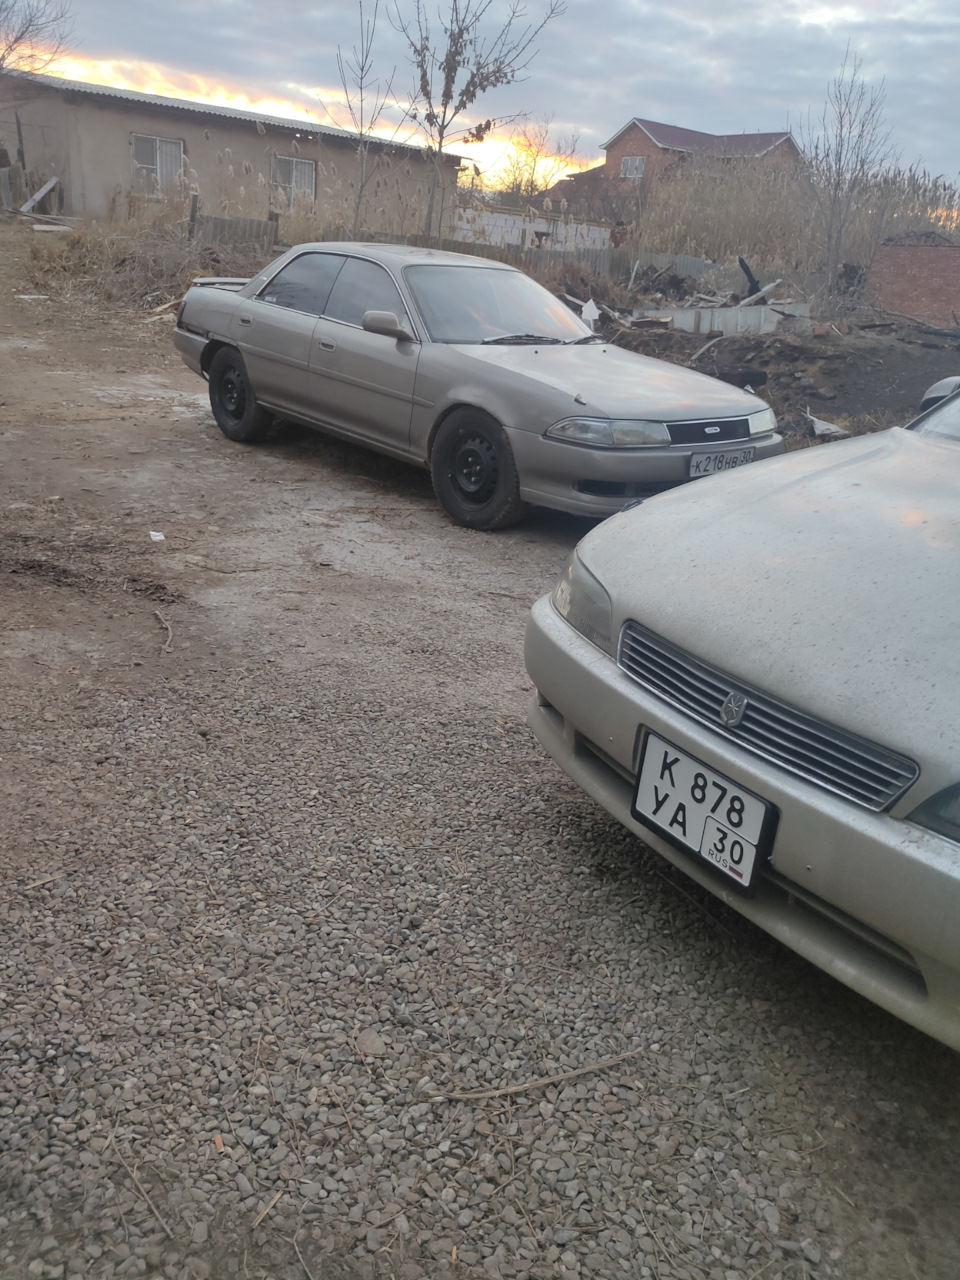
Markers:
366,97
537,160
452,72
847,151
33,33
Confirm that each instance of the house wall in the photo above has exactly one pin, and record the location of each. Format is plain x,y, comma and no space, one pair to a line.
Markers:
921,281
86,142
636,142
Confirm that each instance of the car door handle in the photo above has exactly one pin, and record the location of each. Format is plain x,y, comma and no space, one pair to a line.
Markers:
245,320
327,344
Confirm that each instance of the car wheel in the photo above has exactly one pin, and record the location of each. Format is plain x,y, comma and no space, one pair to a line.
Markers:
474,474
234,405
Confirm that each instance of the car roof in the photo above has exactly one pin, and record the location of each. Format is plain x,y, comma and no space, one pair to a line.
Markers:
401,255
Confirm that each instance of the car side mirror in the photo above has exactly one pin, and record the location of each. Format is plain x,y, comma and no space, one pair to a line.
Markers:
386,323
939,391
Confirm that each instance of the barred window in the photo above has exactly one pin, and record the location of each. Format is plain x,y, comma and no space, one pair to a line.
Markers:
293,176
157,163
632,167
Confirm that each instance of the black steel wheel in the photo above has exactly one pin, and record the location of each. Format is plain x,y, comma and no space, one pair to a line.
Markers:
234,405
474,474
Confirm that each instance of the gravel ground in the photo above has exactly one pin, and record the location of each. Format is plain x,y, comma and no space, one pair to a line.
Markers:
312,964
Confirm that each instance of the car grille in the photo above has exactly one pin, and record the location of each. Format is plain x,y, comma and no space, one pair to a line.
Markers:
828,757
712,432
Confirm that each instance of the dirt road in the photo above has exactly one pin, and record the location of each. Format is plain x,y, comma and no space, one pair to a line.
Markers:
299,924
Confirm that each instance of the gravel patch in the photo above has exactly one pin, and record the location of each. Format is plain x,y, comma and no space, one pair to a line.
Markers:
247,1013
312,965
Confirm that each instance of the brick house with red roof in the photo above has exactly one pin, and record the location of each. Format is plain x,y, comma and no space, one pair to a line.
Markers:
642,151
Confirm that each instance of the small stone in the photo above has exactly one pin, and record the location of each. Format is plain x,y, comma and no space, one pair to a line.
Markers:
199,1233
464,1218
371,1044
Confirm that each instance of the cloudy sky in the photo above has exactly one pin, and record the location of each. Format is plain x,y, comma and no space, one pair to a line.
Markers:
720,67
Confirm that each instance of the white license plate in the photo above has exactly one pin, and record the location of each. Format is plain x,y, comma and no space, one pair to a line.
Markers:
706,464
702,811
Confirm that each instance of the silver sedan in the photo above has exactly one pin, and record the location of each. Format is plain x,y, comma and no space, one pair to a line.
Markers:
759,679
465,366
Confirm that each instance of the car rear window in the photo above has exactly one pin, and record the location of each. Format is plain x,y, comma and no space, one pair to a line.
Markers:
304,284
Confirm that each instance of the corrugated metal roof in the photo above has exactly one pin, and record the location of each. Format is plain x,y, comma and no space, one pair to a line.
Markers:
672,137
205,109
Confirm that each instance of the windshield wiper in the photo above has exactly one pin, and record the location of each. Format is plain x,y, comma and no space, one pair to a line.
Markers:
587,337
506,338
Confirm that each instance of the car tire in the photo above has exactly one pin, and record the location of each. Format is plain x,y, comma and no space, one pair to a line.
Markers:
234,405
473,471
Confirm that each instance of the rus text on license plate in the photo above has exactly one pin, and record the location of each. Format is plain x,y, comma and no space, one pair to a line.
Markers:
702,811
705,464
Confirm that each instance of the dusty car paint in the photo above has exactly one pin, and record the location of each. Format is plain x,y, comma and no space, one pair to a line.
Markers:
394,393
827,580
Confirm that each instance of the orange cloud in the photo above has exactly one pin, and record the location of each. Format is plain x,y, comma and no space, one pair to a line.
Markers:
317,106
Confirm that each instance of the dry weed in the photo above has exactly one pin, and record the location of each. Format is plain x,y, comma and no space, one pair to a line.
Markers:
138,265
719,212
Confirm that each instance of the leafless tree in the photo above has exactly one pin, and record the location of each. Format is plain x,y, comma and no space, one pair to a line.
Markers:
366,96
475,54
32,33
536,160
848,150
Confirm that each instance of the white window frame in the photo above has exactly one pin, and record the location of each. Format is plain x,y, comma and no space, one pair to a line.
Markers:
632,167
155,176
293,175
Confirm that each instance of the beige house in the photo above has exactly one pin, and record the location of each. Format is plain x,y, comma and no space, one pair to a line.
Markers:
115,151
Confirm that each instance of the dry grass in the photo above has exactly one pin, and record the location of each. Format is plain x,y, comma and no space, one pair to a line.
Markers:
140,263
776,221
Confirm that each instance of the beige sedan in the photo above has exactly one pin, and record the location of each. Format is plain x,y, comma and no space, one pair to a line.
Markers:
468,367
759,679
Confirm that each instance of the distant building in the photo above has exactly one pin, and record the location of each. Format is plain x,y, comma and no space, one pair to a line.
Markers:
643,151
114,150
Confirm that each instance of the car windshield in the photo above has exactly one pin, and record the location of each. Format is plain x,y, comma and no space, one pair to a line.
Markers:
488,304
944,422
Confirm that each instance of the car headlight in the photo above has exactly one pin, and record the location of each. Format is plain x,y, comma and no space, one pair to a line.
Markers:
762,422
582,601
941,813
610,433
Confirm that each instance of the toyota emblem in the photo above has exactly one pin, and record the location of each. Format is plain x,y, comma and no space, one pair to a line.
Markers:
732,709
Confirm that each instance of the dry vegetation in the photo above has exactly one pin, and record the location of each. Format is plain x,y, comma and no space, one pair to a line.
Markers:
138,264
774,219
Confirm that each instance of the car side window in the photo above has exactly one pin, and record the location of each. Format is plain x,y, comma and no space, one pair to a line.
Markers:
363,286
304,284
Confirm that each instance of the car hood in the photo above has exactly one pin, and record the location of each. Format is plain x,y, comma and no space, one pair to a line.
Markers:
827,578
612,383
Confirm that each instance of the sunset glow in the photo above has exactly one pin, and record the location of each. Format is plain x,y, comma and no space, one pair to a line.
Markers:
313,104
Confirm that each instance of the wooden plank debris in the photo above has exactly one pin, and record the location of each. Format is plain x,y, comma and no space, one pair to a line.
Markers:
38,195
706,347
758,297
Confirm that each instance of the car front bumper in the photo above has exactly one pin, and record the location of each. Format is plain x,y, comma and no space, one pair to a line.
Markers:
599,482
868,897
